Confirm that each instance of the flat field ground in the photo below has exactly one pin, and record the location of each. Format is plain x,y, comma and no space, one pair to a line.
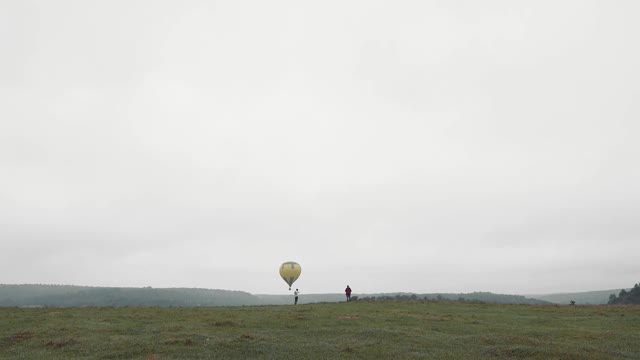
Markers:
357,330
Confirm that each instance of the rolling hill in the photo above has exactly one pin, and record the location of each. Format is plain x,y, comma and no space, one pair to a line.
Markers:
581,298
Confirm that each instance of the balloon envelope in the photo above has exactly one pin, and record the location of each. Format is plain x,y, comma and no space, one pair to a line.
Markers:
290,271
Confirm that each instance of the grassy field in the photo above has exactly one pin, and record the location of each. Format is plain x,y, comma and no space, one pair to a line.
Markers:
377,330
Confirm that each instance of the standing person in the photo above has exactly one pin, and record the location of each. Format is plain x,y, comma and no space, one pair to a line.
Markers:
295,293
348,292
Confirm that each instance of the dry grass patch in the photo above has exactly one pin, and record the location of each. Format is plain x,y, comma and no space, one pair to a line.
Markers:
348,317
347,349
248,337
22,336
62,343
175,341
225,323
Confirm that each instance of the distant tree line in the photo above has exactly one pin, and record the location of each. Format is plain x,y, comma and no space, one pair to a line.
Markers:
476,297
84,296
626,297
397,297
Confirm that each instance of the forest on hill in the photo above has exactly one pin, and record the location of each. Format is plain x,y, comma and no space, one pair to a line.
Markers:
631,297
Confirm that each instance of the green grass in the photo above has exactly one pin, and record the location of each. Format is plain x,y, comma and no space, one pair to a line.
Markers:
377,330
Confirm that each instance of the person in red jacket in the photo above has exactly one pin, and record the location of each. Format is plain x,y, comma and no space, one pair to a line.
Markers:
348,292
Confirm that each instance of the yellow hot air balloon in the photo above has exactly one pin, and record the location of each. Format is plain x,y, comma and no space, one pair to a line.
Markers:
290,271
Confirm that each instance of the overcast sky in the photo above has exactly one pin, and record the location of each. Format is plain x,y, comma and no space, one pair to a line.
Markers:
419,146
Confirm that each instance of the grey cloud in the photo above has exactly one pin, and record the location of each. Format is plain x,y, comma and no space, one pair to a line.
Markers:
472,146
